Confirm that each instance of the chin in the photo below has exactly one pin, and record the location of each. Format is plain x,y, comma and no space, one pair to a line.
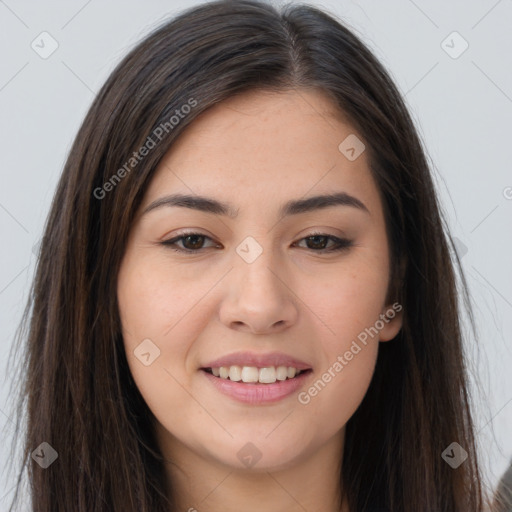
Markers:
258,455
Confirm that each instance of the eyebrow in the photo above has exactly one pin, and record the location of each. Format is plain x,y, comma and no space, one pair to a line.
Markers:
293,207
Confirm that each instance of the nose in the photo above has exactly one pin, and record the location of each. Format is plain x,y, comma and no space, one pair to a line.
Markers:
258,300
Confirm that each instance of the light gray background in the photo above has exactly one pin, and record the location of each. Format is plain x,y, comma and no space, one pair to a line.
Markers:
462,107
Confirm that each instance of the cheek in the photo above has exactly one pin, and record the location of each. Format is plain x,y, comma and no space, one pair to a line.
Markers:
347,301
154,300
349,306
340,384
153,318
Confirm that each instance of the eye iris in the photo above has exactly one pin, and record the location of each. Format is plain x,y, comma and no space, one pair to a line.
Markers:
193,237
315,239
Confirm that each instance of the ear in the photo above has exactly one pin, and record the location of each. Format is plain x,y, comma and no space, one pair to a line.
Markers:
392,318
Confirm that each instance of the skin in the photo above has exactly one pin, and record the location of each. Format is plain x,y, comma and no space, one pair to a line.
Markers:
256,152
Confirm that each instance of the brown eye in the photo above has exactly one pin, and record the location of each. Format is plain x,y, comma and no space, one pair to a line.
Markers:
191,242
318,243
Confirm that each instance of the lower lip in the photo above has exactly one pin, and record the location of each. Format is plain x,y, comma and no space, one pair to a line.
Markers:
258,393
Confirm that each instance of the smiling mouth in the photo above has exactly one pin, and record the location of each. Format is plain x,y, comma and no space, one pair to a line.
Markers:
255,375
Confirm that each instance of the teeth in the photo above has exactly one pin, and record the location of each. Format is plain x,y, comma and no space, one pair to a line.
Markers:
267,375
281,373
250,374
235,373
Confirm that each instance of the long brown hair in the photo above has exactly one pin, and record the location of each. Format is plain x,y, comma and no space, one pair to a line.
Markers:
79,393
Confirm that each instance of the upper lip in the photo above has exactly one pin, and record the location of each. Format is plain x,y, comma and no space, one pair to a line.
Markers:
258,360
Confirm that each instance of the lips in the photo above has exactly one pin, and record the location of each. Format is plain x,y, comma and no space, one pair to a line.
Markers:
256,394
244,372
257,360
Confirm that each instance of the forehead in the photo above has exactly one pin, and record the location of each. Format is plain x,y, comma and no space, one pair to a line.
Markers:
266,145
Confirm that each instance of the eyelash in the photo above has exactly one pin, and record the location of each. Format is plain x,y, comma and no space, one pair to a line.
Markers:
342,244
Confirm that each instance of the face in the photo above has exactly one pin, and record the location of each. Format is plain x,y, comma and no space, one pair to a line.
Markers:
273,281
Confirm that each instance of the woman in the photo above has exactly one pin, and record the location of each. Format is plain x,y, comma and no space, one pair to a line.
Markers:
244,297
